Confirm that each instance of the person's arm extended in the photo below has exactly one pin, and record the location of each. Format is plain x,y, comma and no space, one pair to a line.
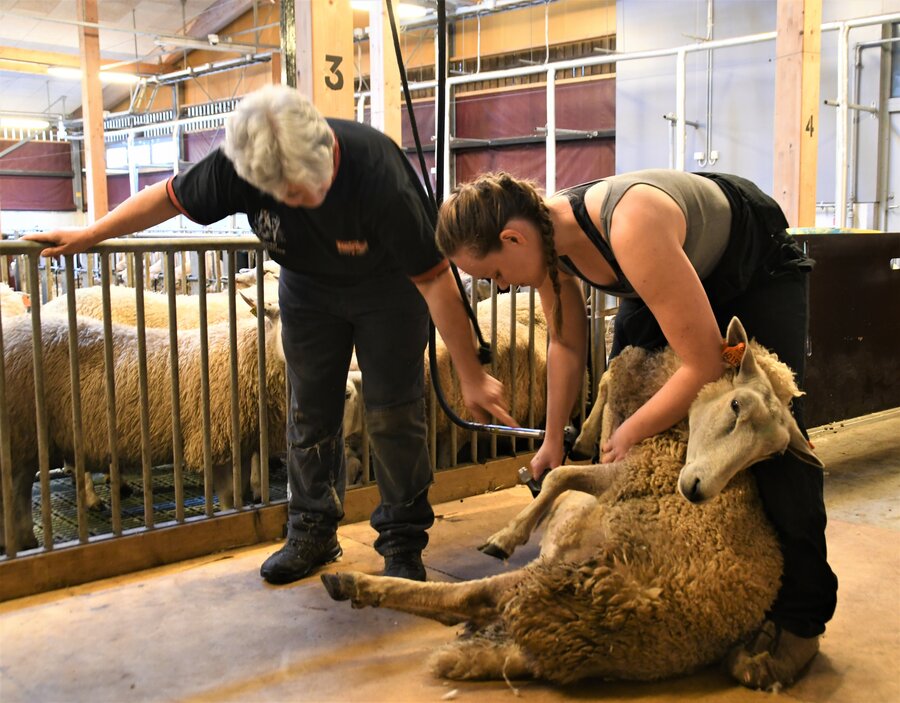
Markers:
144,209
482,393
566,358
648,228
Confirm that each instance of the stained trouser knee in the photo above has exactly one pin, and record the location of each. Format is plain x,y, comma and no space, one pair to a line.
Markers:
399,442
403,473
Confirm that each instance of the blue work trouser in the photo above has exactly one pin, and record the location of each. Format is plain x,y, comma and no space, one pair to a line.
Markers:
387,321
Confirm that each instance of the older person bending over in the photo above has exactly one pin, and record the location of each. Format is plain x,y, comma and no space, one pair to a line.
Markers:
339,207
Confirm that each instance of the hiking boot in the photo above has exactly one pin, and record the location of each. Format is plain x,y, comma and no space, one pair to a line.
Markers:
771,658
298,557
405,565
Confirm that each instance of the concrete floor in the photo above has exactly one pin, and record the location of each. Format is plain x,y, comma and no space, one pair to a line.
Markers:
211,630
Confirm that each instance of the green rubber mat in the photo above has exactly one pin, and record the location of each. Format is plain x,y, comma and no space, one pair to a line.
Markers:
63,501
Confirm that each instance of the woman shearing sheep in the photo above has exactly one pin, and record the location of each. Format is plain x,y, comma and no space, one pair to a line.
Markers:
338,206
685,253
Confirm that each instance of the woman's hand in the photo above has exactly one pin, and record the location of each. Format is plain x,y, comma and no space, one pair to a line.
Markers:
618,444
549,456
63,241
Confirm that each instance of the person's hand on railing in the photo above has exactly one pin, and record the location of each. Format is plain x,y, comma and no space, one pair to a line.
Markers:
63,241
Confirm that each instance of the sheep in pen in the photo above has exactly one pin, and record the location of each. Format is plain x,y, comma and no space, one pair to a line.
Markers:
138,440
633,581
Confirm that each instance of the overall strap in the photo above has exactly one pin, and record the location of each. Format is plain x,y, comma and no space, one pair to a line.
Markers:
576,200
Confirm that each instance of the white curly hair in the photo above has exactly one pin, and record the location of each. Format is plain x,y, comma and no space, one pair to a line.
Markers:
277,136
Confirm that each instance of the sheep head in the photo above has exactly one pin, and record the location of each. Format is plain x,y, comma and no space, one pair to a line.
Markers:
272,314
736,422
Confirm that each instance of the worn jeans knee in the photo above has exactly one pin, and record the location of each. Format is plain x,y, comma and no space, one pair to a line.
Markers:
316,484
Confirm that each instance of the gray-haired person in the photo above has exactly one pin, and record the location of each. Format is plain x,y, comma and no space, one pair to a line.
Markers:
337,204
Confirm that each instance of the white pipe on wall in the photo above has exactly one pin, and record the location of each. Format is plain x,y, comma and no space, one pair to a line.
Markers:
680,108
840,135
551,132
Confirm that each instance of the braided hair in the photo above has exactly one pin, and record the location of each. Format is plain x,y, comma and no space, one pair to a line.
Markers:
475,213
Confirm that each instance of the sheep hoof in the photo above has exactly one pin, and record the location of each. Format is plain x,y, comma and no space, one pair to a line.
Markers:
492,550
336,585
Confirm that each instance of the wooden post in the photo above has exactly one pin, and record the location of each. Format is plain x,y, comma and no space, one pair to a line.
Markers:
384,75
324,56
797,68
92,110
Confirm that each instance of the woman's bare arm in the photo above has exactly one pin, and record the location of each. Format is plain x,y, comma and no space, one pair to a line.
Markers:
647,236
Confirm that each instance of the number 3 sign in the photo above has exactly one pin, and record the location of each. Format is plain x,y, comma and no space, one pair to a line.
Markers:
335,79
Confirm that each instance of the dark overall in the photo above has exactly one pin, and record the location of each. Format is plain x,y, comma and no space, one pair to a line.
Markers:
762,279
387,319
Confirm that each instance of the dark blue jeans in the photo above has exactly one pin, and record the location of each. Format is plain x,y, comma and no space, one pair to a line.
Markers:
387,320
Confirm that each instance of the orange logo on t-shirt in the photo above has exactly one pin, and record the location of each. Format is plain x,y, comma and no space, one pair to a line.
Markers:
352,247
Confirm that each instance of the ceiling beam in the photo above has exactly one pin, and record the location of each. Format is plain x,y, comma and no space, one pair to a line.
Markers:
216,17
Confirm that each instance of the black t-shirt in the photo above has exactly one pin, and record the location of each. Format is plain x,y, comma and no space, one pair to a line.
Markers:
375,220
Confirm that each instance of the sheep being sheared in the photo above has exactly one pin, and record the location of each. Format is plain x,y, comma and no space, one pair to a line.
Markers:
633,581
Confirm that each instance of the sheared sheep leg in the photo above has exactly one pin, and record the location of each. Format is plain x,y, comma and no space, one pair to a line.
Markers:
255,477
91,500
594,429
448,603
587,479
224,486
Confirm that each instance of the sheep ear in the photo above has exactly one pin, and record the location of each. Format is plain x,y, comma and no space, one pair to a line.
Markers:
250,301
736,333
800,447
735,336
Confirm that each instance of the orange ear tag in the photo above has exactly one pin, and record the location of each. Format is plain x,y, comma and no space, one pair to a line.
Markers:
733,355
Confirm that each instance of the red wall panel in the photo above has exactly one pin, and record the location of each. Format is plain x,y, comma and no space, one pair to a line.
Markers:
118,188
36,192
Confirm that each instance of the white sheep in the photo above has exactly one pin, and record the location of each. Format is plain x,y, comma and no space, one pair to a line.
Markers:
354,425
13,302
633,581
123,309
247,277
17,339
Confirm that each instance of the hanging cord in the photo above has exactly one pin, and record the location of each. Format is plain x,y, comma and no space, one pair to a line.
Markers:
484,350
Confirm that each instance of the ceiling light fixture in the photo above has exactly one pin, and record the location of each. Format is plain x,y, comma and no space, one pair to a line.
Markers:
405,10
74,74
23,123
213,44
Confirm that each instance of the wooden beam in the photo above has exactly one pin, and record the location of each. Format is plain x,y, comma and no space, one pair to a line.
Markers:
92,110
325,54
797,69
384,76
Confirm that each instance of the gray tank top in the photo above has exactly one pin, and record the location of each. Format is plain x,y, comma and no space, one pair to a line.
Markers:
706,213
